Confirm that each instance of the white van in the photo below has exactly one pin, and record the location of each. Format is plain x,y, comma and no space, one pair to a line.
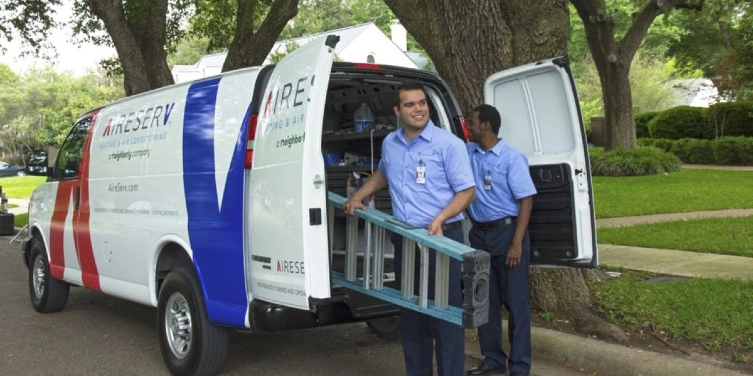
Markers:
207,199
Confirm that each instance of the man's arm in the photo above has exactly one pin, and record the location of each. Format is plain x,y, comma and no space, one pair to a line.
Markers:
373,184
521,225
458,203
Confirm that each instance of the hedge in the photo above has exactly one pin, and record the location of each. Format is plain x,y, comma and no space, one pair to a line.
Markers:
731,119
641,122
731,151
681,122
632,162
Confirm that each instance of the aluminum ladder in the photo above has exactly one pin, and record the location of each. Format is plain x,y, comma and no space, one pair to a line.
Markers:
475,267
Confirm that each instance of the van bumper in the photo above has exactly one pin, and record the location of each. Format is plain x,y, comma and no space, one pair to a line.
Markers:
344,306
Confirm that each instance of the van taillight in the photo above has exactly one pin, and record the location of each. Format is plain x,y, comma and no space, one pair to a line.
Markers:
464,127
251,137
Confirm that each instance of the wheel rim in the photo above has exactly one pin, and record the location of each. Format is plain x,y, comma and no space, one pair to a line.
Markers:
39,273
178,327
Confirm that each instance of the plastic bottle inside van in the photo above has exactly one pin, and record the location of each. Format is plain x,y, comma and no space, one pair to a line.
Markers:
363,117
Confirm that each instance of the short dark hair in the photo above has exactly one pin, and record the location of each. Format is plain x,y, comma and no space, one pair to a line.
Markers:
489,113
408,86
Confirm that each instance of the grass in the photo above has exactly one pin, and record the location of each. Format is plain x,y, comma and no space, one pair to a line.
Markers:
727,236
22,186
20,220
713,312
678,192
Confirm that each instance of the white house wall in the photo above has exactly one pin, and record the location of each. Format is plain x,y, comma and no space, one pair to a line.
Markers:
373,41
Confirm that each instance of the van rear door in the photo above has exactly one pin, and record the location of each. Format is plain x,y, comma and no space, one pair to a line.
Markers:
541,118
288,230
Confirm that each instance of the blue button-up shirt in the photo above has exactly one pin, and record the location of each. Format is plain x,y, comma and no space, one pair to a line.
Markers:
510,181
447,171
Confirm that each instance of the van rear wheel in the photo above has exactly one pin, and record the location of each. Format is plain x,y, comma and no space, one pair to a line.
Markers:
47,293
190,344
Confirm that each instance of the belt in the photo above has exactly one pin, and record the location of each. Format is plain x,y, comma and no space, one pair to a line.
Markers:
502,222
450,226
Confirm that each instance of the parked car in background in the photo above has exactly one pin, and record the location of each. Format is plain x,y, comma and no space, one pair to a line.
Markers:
37,164
7,169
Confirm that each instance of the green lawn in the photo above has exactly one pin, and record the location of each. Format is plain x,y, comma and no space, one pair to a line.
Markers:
713,312
20,220
678,192
727,236
21,187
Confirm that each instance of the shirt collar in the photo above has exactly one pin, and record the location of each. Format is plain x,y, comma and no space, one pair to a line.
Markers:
426,133
496,149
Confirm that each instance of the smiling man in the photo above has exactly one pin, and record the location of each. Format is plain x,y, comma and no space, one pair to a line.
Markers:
430,183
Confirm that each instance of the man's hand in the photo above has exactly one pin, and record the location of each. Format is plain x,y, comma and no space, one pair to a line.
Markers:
351,206
435,227
513,255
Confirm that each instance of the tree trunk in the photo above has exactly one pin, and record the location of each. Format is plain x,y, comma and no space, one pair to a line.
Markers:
613,59
618,105
468,41
139,42
250,48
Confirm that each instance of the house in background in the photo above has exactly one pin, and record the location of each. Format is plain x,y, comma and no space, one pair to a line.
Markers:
363,43
695,92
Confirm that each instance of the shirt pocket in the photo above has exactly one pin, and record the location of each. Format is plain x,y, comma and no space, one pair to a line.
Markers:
434,166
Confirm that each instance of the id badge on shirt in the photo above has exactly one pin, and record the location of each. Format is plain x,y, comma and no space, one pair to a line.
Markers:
488,181
421,174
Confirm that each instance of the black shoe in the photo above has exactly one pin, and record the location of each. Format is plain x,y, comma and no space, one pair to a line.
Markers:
484,369
518,374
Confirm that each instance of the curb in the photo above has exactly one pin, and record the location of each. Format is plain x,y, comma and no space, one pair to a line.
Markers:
607,358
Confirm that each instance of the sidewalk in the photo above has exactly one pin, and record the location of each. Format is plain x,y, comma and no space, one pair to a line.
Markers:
23,205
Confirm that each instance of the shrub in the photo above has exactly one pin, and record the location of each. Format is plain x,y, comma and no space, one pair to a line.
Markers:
732,118
734,151
681,122
659,143
641,122
632,162
693,150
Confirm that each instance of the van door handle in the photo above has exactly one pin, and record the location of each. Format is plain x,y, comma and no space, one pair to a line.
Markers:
318,181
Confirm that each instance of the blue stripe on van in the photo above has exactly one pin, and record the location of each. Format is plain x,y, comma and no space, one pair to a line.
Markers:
215,233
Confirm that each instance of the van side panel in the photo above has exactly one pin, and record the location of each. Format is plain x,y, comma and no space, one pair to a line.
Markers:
136,189
214,199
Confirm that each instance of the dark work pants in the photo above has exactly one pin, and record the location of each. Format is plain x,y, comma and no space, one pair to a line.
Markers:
508,287
421,333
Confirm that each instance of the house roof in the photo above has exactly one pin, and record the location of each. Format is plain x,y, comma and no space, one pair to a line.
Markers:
347,35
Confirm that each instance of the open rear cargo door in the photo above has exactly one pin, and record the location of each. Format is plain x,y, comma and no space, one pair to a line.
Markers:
289,251
541,118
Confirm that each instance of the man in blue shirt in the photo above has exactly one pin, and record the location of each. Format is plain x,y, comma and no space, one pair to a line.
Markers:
430,183
500,214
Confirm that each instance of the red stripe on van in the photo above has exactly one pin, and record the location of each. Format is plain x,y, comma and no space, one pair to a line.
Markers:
81,232
57,227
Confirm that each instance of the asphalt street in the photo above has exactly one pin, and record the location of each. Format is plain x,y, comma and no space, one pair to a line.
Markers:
100,335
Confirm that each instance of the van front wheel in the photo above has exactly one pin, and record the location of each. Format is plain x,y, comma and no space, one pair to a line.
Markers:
191,345
47,293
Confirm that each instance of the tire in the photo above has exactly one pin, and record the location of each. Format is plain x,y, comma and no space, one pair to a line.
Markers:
47,294
190,344
387,328
21,173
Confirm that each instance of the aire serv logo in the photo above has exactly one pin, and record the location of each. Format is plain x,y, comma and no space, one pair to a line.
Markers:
292,267
138,120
